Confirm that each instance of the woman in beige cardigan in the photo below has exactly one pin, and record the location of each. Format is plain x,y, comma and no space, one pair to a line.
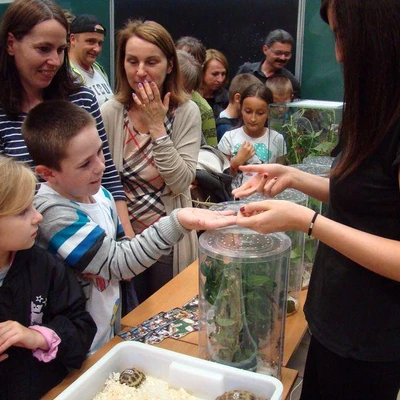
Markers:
154,134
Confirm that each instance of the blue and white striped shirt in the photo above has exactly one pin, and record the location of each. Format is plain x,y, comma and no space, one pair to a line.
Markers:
12,143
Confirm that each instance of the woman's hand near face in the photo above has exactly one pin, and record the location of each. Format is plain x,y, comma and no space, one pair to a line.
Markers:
152,107
274,216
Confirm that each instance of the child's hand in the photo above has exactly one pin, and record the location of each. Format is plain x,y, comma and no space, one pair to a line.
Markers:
245,152
201,219
13,333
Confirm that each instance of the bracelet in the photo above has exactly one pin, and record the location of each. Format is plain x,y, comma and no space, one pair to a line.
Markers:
160,139
232,167
312,223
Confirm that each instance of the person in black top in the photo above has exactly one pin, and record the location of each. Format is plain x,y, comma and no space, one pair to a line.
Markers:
353,301
277,50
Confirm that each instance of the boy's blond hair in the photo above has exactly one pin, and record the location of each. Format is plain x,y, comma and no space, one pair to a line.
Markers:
240,83
190,70
17,186
279,85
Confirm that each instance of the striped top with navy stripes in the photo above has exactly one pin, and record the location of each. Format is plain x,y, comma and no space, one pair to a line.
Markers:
12,143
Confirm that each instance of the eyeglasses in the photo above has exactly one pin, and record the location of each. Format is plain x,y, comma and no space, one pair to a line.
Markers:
279,53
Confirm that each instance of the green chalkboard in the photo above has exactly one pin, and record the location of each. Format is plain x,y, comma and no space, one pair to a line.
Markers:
321,76
235,27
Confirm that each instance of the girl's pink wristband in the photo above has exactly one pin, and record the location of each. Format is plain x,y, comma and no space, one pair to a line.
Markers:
52,340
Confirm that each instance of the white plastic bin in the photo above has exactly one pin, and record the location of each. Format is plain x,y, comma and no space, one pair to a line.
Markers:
203,379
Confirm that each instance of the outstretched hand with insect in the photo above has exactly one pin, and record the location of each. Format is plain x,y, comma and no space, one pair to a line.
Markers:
202,219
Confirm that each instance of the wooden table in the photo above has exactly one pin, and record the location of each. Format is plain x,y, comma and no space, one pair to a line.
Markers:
185,286
174,294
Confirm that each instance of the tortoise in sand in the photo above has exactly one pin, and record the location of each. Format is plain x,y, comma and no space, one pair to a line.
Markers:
239,395
132,377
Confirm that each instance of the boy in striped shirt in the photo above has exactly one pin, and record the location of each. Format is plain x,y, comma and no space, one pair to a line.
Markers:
80,221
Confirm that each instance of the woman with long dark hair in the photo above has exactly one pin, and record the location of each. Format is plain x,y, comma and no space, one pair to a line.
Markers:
353,302
34,67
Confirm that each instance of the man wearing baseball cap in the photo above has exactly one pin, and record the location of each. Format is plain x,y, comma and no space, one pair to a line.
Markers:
86,42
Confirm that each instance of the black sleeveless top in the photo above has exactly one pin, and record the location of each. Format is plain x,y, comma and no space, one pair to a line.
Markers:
350,310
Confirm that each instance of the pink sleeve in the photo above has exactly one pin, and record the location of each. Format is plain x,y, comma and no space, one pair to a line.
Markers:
52,340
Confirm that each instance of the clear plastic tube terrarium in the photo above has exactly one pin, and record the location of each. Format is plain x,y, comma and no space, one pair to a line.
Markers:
296,269
311,243
242,298
319,160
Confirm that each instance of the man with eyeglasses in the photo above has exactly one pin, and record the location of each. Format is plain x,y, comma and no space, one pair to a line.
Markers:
278,51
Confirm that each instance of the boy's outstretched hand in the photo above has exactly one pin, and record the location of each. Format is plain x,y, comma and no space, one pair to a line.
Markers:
202,219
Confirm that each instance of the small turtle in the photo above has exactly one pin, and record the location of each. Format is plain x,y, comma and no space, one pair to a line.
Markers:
132,377
238,395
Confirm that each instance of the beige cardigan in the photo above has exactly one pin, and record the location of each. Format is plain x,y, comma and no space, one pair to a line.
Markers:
176,159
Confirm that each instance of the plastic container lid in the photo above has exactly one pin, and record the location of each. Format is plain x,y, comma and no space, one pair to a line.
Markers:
315,169
323,104
257,197
240,243
229,205
288,194
322,160
292,195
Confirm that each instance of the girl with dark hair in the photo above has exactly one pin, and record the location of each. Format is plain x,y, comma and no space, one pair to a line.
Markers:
353,302
253,142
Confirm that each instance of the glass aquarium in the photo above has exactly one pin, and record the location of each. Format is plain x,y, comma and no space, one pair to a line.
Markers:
296,268
242,298
310,127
